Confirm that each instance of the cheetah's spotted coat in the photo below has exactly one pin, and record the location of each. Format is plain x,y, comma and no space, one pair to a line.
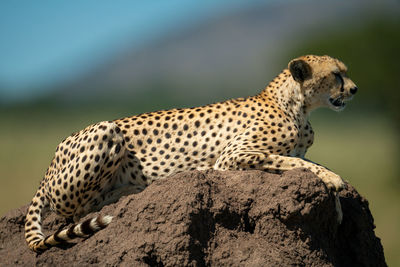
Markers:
269,131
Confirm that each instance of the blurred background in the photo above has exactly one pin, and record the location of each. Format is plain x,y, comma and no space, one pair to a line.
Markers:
65,65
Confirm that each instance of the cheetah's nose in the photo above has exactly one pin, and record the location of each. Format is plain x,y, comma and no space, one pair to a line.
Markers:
353,90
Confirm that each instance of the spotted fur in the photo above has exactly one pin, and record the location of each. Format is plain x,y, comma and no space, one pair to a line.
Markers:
269,131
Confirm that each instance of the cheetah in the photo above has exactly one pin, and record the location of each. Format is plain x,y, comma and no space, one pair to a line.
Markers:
269,131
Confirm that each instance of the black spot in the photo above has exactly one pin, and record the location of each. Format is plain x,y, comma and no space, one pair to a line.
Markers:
117,148
96,169
110,144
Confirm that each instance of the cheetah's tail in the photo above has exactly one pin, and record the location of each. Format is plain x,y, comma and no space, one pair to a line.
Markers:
33,227
84,229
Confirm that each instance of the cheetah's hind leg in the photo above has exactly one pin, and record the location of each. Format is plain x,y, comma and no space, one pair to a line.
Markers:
108,198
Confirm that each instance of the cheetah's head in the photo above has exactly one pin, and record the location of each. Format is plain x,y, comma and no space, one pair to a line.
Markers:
323,81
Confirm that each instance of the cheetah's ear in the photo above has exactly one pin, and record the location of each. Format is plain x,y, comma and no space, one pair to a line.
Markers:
300,70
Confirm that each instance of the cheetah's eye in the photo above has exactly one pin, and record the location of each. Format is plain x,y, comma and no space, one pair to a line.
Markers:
338,77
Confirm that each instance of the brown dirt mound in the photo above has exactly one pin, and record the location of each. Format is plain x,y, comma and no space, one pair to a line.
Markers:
247,218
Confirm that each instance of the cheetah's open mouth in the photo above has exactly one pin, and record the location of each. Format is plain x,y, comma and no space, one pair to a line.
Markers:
338,102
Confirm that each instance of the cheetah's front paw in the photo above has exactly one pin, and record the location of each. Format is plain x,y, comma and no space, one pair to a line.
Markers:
332,181
338,208
335,183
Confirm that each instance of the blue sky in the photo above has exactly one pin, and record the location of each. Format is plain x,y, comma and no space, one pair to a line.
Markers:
47,41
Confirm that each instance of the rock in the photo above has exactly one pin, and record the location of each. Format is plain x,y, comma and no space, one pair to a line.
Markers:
214,218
